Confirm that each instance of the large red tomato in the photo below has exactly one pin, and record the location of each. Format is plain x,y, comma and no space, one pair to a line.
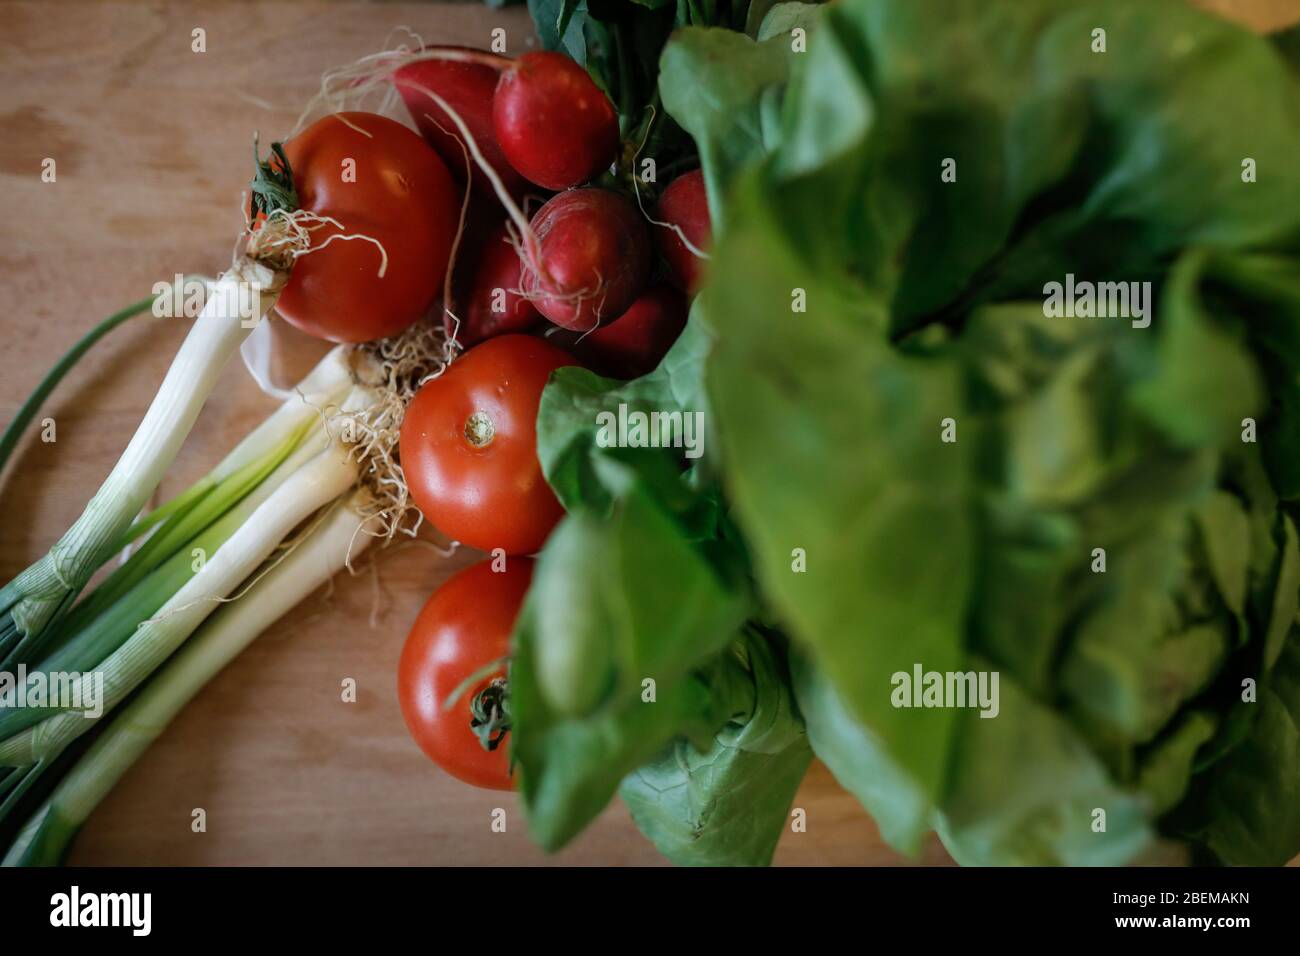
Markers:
385,183
462,629
469,446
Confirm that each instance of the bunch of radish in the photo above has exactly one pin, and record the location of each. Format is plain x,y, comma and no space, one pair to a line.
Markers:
539,130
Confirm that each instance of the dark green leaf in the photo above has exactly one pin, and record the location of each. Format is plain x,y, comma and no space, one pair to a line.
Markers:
1167,769
616,603
713,83
1025,790
859,762
727,805
832,445
1246,808
569,424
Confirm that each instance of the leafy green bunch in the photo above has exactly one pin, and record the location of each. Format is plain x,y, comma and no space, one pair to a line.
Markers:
909,461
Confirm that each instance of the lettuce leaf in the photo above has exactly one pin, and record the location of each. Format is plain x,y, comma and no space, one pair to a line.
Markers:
859,300
728,804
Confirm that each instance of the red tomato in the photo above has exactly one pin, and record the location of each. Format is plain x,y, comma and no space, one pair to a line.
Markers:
469,446
462,629
388,185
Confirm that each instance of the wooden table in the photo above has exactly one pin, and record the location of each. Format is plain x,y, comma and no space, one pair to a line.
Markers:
152,144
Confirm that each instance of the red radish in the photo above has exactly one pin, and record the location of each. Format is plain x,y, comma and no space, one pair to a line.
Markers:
553,122
684,204
391,193
594,256
468,89
633,344
493,303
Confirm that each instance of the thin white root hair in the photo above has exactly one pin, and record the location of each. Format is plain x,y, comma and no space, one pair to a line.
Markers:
347,87
392,371
516,214
577,296
288,236
453,343
351,84
636,189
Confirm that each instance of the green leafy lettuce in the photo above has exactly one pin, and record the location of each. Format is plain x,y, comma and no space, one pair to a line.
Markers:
910,460
1077,440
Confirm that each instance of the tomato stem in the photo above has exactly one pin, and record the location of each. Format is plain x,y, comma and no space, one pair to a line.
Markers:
480,430
272,185
490,713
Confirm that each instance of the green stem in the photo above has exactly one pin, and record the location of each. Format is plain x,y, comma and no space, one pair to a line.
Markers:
168,553
625,92
166,511
310,488
23,418
41,593
182,526
490,717
340,536
95,639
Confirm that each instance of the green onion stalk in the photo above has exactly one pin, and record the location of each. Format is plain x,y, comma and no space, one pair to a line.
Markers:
118,649
37,596
322,461
235,303
343,532
240,479
220,560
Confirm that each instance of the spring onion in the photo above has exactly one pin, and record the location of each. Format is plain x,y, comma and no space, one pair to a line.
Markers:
340,536
46,589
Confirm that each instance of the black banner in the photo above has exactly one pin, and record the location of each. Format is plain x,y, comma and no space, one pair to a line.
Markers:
335,905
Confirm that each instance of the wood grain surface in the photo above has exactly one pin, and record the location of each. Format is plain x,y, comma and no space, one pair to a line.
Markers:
152,143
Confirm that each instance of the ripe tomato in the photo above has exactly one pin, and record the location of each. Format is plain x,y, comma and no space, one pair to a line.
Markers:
388,185
469,446
462,629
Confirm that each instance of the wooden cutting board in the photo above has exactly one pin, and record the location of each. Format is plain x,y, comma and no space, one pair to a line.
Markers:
152,144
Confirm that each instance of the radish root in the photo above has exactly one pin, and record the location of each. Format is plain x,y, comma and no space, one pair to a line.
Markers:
283,237
453,343
351,84
394,369
636,189
348,87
